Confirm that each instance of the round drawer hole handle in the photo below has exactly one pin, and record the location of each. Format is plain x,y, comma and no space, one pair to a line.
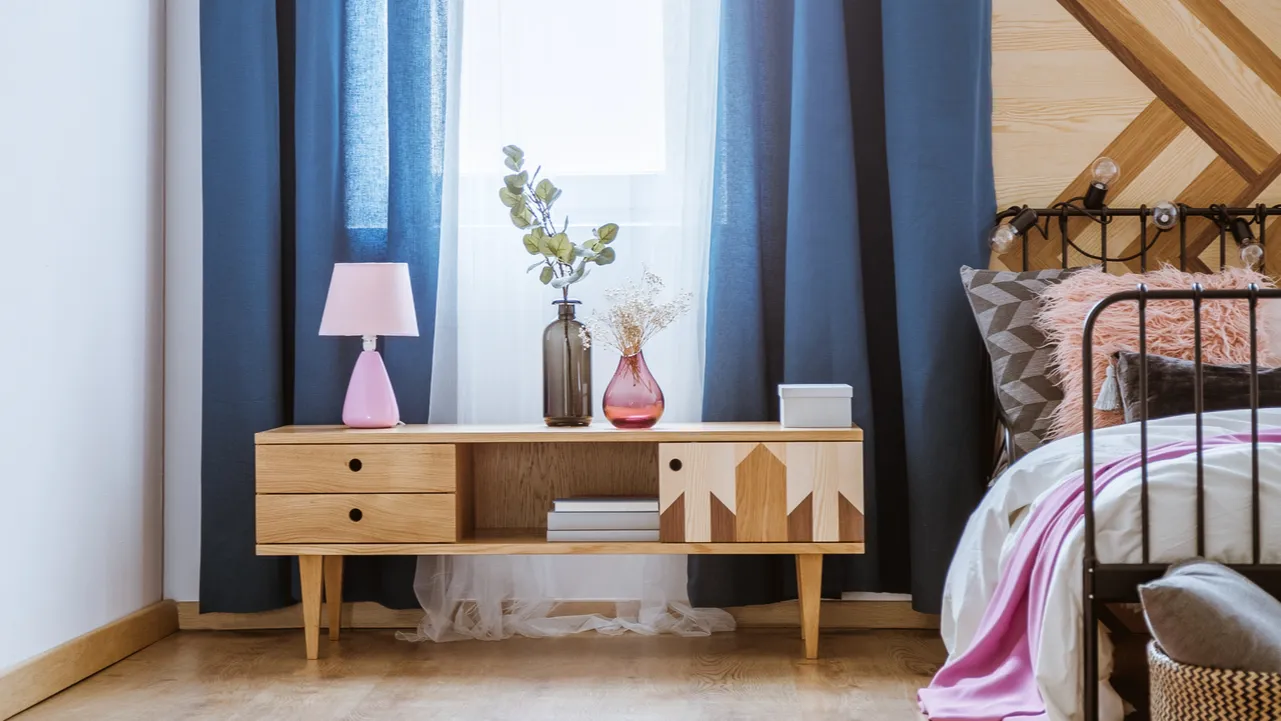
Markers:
355,465
355,515
675,464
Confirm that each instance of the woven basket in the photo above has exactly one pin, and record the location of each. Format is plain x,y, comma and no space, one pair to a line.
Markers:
1194,693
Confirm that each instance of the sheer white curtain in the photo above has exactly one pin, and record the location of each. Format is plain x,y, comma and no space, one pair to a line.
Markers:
616,100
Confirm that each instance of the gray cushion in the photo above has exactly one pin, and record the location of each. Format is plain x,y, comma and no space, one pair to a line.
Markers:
1171,390
1005,304
1205,614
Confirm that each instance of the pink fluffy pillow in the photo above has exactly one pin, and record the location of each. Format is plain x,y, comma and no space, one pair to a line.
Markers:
1225,329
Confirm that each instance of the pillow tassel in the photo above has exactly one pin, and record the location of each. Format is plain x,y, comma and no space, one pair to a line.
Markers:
1109,395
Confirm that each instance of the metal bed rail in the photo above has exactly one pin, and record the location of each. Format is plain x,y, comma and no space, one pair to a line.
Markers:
1104,583
1117,582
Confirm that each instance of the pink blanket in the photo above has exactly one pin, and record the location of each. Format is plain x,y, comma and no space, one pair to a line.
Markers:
994,679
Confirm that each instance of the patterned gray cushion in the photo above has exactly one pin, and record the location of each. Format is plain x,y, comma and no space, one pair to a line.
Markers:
1005,305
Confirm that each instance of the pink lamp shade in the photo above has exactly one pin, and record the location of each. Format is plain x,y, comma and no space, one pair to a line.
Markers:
369,300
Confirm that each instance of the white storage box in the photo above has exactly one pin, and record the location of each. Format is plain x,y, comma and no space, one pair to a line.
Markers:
815,405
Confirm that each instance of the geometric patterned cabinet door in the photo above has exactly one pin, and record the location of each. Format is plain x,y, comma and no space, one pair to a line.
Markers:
760,492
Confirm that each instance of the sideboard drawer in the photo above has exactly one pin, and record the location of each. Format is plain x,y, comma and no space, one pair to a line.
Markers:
357,518
357,468
770,492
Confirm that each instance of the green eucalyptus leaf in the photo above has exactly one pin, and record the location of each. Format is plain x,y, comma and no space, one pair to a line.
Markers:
513,164
516,181
597,246
560,246
523,219
514,153
518,207
584,251
508,197
545,190
538,233
607,232
535,264
605,257
531,245
546,275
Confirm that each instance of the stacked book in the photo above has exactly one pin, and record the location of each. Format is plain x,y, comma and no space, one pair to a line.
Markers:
603,519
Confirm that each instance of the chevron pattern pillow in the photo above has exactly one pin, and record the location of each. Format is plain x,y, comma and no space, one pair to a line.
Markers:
1005,305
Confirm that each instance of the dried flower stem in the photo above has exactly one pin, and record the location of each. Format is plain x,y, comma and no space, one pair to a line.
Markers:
634,315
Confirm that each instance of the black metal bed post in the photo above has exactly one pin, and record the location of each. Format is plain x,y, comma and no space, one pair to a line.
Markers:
1255,529
1143,414
1198,391
1090,626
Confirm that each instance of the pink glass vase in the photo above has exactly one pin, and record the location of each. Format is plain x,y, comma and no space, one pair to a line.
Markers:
633,399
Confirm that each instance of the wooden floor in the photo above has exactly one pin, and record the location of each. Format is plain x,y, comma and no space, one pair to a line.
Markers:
371,676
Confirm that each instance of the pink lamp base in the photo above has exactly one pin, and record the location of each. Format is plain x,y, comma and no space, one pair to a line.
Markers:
371,403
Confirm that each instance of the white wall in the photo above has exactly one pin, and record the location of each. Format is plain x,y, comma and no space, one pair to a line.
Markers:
81,253
184,266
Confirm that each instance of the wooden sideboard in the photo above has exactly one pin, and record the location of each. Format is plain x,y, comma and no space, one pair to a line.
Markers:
324,492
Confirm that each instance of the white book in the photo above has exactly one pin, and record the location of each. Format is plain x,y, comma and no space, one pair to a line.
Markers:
588,521
601,536
606,505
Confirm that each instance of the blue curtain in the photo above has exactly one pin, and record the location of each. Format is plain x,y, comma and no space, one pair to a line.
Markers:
853,179
323,128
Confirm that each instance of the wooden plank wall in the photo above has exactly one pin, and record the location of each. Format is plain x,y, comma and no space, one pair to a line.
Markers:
1184,94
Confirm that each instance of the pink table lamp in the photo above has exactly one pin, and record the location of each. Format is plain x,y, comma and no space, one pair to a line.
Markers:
369,300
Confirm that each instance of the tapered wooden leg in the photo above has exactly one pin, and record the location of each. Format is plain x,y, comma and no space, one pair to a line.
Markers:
800,607
810,568
309,572
333,594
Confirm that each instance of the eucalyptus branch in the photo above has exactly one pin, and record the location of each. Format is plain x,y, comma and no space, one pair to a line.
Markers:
534,199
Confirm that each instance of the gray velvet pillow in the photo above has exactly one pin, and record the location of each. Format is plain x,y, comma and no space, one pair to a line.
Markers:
1005,304
1205,614
1171,391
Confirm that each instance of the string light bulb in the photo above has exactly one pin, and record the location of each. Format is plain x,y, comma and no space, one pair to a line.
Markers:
1251,251
1004,236
1002,239
1251,255
1103,174
1165,215
1105,170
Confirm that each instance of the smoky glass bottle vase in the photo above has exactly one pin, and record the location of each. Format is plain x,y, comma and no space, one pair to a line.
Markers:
567,370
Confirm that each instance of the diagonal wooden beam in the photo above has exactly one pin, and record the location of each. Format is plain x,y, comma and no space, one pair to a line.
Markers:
1217,181
1248,195
1173,82
1239,39
1134,148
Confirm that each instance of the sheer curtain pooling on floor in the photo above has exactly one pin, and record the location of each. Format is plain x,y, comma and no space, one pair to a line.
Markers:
616,102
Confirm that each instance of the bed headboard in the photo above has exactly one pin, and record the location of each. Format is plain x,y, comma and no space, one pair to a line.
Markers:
1185,95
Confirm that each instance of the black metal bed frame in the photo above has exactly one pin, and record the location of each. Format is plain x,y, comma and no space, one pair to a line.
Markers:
1104,583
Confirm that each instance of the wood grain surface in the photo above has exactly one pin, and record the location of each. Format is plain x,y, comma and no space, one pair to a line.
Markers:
356,468
371,676
62,666
758,492
524,433
330,518
516,483
534,542
1184,94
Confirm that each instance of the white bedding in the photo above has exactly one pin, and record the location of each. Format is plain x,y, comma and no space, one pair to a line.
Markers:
991,531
